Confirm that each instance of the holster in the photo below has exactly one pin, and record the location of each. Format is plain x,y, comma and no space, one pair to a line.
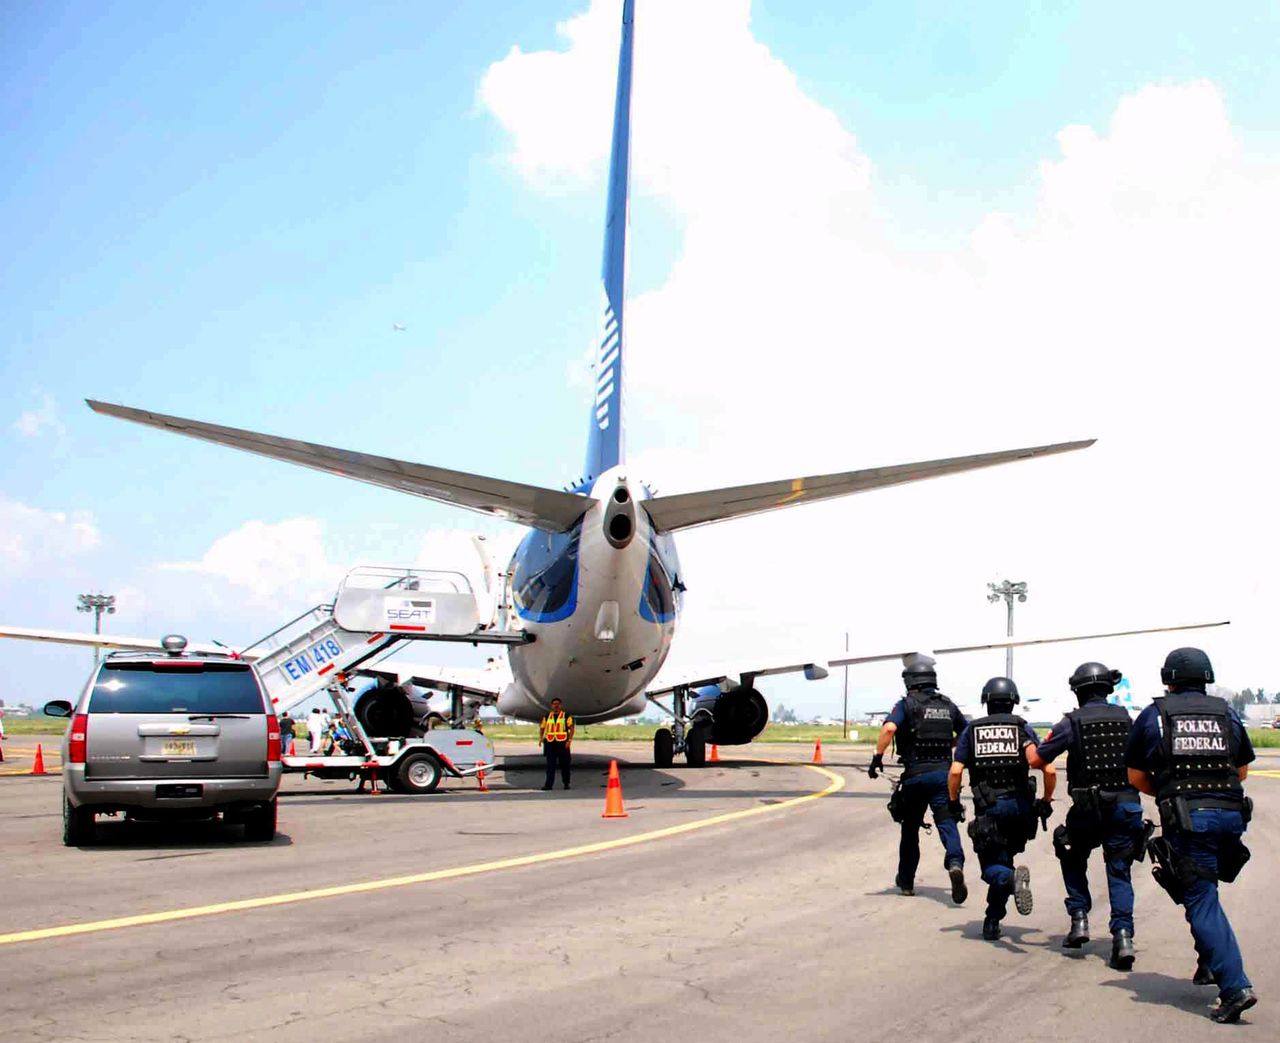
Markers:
1061,843
895,802
1232,859
984,832
1163,871
1138,851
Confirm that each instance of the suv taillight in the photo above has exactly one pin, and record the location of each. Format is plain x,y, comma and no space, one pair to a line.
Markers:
78,739
273,738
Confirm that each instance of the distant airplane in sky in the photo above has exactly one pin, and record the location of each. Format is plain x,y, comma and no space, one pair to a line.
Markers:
399,327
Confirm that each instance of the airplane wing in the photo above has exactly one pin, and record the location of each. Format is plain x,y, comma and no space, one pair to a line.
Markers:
531,505
685,510
485,684
696,677
116,641
880,658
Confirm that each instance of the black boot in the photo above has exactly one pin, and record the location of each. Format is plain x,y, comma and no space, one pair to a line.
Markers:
1229,1010
959,890
991,929
1079,933
1022,890
1122,951
907,887
1203,975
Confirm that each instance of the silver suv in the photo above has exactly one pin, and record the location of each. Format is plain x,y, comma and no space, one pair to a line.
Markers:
170,735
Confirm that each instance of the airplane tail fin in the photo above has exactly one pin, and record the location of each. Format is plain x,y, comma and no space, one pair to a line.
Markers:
605,433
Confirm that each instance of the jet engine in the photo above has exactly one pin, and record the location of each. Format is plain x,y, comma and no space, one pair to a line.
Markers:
391,711
731,718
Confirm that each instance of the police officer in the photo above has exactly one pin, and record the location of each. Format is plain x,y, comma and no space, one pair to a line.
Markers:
991,747
924,723
1190,751
1105,811
556,732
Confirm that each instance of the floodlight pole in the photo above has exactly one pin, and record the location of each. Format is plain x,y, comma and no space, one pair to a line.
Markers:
97,604
845,717
1008,591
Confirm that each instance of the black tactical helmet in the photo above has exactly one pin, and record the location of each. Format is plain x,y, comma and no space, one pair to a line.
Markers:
919,672
1000,690
1092,679
1187,668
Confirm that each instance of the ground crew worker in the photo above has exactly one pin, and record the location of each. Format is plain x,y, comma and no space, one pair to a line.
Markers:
286,732
1190,751
1003,798
556,733
316,724
1105,811
924,725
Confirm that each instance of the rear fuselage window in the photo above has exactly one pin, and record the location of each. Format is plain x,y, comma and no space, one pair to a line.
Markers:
544,582
187,688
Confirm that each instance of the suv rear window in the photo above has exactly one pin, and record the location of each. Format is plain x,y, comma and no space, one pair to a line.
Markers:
182,686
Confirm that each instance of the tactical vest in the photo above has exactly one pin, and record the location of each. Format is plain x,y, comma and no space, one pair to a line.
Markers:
997,767
1099,737
555,727
927,742
1198,745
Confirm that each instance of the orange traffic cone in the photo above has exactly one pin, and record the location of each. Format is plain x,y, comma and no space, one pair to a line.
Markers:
37,768
293,746
817,752
613,794
715,754
480,778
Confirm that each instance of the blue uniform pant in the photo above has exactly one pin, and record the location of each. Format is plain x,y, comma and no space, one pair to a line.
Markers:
1121,828
1012,820
927,790
1212,830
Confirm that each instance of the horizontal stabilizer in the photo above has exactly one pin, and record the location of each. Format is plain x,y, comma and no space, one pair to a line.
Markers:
685,510
547,509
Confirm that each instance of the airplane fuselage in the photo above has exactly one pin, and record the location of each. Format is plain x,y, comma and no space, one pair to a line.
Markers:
601,601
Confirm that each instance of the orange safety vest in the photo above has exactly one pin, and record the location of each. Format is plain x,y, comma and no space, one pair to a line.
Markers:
555,727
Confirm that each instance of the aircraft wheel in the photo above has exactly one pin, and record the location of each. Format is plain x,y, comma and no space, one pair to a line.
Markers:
664,748
695,748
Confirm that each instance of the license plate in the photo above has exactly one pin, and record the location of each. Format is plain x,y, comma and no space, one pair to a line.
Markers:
180,748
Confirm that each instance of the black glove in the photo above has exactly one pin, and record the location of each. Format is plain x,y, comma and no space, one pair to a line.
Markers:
1043,809
957,810
877,765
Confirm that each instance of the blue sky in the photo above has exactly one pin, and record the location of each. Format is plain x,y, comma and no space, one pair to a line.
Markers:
219,211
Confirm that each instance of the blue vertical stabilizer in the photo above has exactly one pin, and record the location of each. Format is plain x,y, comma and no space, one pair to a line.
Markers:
604,442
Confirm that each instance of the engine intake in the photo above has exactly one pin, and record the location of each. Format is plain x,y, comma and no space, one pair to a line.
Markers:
738,717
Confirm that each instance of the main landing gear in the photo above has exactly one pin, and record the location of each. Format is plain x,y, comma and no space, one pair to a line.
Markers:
689,738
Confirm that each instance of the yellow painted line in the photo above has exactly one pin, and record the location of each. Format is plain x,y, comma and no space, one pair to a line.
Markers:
1265,773
834,785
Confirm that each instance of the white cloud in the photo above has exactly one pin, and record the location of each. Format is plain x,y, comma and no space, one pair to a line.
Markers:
32,539
42,419
283,563
1132,303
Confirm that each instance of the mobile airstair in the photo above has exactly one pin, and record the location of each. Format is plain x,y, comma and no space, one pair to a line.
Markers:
378,611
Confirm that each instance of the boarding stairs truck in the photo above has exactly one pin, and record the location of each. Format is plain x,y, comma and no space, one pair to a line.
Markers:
378,611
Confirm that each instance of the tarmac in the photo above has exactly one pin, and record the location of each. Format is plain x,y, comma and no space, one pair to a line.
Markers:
746,900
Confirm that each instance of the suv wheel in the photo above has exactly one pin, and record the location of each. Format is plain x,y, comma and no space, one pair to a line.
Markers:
77,825
418,773
260,823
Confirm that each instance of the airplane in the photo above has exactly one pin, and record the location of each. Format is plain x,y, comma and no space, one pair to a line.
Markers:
398,327
597,582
